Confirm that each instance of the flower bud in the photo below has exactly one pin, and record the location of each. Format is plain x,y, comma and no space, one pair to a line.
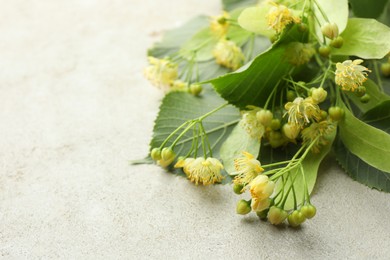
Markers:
330,30
260,204
365,98
264,117
302,27
300,218
237,188
319,95
324,51
337,42
385,69
291,131
291,95
155,154
291,220
275,124
195,89
336,113
276,139
261,187
309,211
276,215
360,91
262,214
167,154
324,114
243,207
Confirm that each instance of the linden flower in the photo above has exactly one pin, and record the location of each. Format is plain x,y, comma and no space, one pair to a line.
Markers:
219,24
228,54
247,168
350,75
200,170
322,130
161,72
260,205
299,53
261,187
279,16
300,111
251,124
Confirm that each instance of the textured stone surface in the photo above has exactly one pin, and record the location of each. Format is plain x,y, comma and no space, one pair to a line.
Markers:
74,109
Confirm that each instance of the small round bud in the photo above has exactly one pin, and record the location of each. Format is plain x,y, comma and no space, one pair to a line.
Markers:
291,131
385,68
337,42
291,95
292,219
302,27
275,124
324,114
309,211
365,98
330,30
361,90
264,117
300,218
155,154
276,215
243,207
276,139
319,95
167,154
237,188
262,214
336,113
195,89
324,51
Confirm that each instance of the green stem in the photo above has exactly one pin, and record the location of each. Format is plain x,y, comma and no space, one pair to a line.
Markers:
212,111
173,133
378,77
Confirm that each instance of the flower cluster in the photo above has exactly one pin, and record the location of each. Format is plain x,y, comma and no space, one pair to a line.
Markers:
279,16
350,74
228,54
200,170
161,72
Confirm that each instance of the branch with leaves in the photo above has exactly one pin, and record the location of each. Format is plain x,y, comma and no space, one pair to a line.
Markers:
258,96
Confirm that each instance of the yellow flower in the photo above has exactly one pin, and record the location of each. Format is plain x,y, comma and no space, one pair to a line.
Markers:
200,170
219,24
251,124
228,54
322,130
279,16
161,72
247,168
350,75
261,187
260,205
298,53
301,111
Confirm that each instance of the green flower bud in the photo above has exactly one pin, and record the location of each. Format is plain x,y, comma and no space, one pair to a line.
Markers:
324,114
302,27
237,188
291,131
155,154
264,117
276,215
276,139
243,207
361,90
324,51
365,98
167,154
275,124
385,68
195,89
319,95
291,219
300,218
337,42
309,211
330,30
336,113
262,214
291,95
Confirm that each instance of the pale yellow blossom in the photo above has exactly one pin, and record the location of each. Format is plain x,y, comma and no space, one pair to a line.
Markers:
247,168
228,54
279,16
350,74
161,72
200,170
301,111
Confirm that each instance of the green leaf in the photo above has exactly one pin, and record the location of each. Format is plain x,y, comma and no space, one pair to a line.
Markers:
178,107
203,42
310,165
229,5
379,116
376,96
366,142
365,38
253,19
368,9
360,171
174,39
335,10
237,142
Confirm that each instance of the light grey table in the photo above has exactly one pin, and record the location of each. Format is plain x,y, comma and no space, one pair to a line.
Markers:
75,108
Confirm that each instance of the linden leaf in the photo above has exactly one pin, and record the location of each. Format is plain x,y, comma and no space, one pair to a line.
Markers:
379,116
365,38
253,19
237,142
229,5
367,9
366,142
